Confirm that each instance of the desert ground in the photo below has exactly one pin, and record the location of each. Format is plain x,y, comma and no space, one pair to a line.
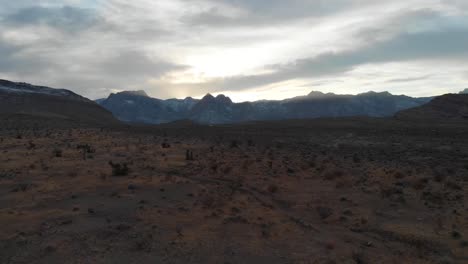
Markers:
351,190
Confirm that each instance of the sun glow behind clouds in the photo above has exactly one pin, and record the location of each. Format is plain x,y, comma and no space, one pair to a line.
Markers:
276,91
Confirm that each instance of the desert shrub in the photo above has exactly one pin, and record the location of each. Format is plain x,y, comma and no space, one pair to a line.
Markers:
208,201
356,159
23,187
86,148
119,169
270,164
434,198
7,175
439,176
273,188
312,164
31,145
331,175
324,212
189,155
399,175
358,257
57,153
395,194
165,145
234,144
453,185
227,169
420,183
456,235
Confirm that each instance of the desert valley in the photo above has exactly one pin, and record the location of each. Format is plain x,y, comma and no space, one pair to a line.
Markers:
79,186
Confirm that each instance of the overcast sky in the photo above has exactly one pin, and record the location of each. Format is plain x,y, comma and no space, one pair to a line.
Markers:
246,49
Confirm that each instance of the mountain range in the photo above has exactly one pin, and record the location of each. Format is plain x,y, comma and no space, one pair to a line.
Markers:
22,99
138,107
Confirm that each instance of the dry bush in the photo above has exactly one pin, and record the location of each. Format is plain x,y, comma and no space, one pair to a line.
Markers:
332,175
119,169
58,153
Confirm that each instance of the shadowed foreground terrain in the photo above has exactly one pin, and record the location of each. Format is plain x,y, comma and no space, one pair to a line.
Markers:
322,191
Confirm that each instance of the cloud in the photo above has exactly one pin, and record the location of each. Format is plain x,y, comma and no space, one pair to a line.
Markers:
79,49
137,63
421,46
405,80
14,60
190,47
66,18
250,13
6,53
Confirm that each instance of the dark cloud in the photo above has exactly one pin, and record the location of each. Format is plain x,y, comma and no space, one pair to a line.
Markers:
7,51
14,60
260,12
405,80
67,18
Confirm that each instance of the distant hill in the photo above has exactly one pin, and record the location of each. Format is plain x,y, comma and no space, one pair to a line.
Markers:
139,107
445,107
44,102
464,91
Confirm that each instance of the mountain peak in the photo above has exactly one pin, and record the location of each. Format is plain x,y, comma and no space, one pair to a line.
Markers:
315,93
208,96
385,93
223,99
318,94
218,99
135,93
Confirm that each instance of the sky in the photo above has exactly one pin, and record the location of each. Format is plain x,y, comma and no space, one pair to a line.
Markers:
246,49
